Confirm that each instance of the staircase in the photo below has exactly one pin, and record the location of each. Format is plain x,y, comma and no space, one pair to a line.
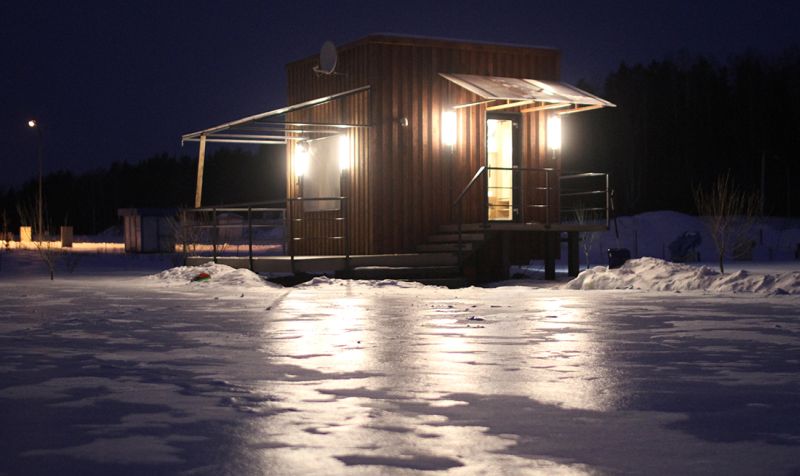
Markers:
436,261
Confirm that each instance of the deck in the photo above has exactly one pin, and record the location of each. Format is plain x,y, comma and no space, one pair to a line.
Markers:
318,264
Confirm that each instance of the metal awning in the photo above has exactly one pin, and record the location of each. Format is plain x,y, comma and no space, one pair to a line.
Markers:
516,92
271,127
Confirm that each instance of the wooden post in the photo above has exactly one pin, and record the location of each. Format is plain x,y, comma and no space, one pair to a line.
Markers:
201,159
214,233
505,257
250,236
550,239
573,255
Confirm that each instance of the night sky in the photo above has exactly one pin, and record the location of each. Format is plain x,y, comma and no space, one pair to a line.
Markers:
116,81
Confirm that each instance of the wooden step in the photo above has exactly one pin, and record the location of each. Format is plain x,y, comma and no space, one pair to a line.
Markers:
466,227
453,237
443,247
406,260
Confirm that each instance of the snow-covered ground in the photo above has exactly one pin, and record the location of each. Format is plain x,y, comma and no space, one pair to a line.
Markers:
653,274
122,367
650,234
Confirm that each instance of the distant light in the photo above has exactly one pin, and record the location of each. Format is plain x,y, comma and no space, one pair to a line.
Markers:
344,152
554,132
449,128
301,159
32,123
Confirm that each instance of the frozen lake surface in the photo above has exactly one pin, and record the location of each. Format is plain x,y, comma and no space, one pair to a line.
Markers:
110,372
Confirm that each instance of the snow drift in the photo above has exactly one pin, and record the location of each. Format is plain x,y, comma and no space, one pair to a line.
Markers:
653,274
220,274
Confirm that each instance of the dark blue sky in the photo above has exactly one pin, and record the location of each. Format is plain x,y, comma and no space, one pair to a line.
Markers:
123,80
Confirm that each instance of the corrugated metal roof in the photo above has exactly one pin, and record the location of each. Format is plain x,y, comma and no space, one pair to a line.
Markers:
520,89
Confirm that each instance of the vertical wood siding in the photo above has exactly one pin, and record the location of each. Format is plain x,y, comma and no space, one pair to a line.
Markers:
402,181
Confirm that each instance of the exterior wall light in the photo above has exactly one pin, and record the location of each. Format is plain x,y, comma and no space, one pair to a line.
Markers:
554,132
301,160
449,128
344,152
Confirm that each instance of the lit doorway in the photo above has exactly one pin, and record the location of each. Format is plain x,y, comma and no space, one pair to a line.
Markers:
502,155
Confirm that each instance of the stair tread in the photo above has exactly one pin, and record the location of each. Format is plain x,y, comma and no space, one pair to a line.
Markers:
453,237
444,247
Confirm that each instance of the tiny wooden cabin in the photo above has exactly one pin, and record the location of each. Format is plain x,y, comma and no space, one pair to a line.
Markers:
399,145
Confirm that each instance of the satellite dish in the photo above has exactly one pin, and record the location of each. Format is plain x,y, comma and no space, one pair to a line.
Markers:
327,58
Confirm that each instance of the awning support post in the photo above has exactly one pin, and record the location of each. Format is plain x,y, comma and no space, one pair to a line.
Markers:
201,159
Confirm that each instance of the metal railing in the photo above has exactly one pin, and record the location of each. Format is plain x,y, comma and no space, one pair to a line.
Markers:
297,217
584,198
224,231
586,193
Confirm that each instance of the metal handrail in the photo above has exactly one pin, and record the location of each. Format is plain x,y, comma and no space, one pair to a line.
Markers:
343,219
520,173
248,224
588,193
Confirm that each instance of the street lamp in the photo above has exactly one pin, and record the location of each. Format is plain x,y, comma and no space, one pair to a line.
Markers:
39,217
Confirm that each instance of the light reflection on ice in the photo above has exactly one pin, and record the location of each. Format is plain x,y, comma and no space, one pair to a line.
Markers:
346,379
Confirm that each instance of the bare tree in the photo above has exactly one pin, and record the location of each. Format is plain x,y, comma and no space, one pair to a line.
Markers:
190,230
729,214
584,216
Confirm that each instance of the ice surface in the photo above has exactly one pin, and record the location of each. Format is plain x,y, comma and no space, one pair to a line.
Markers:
127,367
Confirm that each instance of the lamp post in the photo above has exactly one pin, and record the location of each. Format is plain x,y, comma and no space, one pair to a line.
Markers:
39,216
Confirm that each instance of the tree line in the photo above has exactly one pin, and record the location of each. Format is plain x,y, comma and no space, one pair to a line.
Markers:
89,201
684,120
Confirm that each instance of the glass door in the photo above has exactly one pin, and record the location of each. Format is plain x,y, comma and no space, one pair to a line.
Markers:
501,158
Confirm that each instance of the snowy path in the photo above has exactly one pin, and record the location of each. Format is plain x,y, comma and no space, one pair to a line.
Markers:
132,376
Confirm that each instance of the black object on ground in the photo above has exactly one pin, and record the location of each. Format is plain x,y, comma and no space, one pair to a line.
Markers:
617,257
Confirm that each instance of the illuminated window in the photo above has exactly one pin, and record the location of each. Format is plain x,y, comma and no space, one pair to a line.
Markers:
322,178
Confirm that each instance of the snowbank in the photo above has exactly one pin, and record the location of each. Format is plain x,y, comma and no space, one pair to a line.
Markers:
378,283
653,274
220,274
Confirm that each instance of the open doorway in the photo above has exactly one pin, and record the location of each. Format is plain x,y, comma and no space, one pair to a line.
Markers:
502,156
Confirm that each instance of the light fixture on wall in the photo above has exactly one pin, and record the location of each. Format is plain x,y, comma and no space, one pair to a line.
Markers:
301,159
449,128
344,152
554,133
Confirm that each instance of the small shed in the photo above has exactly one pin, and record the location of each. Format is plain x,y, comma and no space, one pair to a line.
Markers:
423,145
149,230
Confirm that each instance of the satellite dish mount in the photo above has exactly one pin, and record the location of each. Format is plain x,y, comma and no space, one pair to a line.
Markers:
328,57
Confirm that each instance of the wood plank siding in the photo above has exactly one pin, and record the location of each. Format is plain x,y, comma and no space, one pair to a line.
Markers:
402,182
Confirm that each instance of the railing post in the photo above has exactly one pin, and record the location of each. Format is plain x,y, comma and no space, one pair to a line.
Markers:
346,225
184,233
460,241
522,205
214,232
290,240
608,214
547,198
486,199
250,236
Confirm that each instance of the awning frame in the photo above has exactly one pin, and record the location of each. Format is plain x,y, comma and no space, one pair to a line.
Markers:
499,93
267,128
273,127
